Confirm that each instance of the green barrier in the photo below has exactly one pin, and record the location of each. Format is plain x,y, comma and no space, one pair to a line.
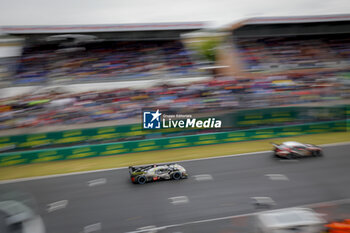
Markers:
76,152
241,119
265,116
71,136
269,116
80,135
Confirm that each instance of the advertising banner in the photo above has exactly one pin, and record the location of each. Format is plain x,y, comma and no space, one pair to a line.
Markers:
86,151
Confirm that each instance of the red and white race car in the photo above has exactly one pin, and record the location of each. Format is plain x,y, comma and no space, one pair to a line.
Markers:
292,150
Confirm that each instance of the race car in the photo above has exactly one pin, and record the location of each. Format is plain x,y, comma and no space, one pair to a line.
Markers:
292,150
143,174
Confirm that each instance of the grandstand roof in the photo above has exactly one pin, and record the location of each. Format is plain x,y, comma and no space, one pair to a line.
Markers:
101,28
291,25
296,19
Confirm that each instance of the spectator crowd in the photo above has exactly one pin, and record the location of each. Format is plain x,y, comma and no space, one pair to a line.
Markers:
286,53
220,94
100,61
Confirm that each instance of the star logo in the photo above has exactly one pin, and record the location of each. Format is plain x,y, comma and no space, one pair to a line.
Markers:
151,120
156,115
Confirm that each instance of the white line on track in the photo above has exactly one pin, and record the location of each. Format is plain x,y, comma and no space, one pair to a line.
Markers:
149,229
119,168
336,144
260,202
57,205
203,177
96,182
179,200
277,177
97,227
319,204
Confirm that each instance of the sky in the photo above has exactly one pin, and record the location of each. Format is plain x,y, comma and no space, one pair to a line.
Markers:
216,12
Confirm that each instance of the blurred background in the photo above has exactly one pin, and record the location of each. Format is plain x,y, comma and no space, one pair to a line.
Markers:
293,69
76,76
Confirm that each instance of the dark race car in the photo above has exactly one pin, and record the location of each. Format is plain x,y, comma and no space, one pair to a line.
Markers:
143,174
292,150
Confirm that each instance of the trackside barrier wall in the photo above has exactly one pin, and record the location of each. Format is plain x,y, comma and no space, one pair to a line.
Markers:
245,118
44,155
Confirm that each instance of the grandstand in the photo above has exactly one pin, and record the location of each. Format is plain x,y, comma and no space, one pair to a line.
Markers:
133,58
281,45
10,49
97,53
289,60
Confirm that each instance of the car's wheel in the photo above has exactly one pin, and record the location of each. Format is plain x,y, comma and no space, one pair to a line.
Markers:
292,156
176,175
316,153
319,153
141,180
276,157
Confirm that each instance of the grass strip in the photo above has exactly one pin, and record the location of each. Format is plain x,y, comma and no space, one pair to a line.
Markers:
87,164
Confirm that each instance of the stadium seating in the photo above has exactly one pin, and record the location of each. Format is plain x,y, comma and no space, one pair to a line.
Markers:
107,61
290,53
131,60
221,94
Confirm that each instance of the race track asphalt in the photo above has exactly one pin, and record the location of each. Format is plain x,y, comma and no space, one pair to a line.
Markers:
225,188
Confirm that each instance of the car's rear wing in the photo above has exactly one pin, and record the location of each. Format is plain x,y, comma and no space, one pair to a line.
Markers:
131,169
275,145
